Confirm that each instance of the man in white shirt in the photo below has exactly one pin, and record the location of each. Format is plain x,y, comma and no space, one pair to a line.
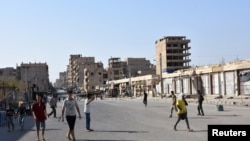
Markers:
87,102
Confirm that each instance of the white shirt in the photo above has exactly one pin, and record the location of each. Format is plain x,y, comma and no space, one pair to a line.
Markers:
70,107
86,107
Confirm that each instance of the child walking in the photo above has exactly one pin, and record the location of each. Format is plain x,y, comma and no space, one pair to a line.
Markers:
9,117
21,112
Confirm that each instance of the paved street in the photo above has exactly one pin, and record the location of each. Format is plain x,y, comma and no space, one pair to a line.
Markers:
129,120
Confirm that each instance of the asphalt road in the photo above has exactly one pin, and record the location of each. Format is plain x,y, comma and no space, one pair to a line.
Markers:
130,120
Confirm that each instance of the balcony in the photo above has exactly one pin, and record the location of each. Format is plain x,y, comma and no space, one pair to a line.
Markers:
173,61
179,54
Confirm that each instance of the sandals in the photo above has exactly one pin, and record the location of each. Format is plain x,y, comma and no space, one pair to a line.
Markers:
41,139
68,137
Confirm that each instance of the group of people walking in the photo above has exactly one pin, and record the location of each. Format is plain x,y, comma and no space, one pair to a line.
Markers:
70,109
179,105
11,114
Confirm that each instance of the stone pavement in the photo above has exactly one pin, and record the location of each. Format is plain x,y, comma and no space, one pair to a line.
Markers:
56,130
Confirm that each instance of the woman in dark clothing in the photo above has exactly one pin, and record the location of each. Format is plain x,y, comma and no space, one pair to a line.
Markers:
145,99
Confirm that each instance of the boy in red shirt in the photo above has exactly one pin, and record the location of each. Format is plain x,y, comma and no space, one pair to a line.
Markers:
40,115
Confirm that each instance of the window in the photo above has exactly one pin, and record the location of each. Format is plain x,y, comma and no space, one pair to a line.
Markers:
105,75
116,72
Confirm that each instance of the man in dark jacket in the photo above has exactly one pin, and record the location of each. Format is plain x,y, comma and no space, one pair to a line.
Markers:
145,98
200,101
53,105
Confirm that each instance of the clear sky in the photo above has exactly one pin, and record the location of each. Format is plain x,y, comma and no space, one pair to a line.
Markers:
49,31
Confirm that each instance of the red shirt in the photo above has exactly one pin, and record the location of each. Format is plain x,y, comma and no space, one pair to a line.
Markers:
39,111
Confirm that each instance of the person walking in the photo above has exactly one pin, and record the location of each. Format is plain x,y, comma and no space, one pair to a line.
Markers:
53,105
87,102
145,98
182,111
69,107
173,107
21,113
10,113
40,115
200,102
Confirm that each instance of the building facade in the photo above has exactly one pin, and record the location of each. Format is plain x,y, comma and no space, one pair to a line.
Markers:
86,75
61,82
172,53
228,80
138,67
35,76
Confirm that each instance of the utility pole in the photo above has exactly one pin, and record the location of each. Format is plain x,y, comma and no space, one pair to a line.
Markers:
161,76
26,81
3,89
130,85
27,95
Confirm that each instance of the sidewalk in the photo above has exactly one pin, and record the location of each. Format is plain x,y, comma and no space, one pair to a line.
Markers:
29,132
239,101
17,134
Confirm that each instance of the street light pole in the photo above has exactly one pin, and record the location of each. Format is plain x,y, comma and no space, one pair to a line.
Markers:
36,84
130,85
26,81
161,76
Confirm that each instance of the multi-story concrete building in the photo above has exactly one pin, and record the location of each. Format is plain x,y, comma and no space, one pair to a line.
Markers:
130,67
115,68
84,74
7,72
35,76
228,80
93,77
61,82
138,67
73,70
172,53
5,75
115,71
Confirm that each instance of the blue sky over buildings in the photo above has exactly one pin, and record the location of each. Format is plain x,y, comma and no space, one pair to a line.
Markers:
51,30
